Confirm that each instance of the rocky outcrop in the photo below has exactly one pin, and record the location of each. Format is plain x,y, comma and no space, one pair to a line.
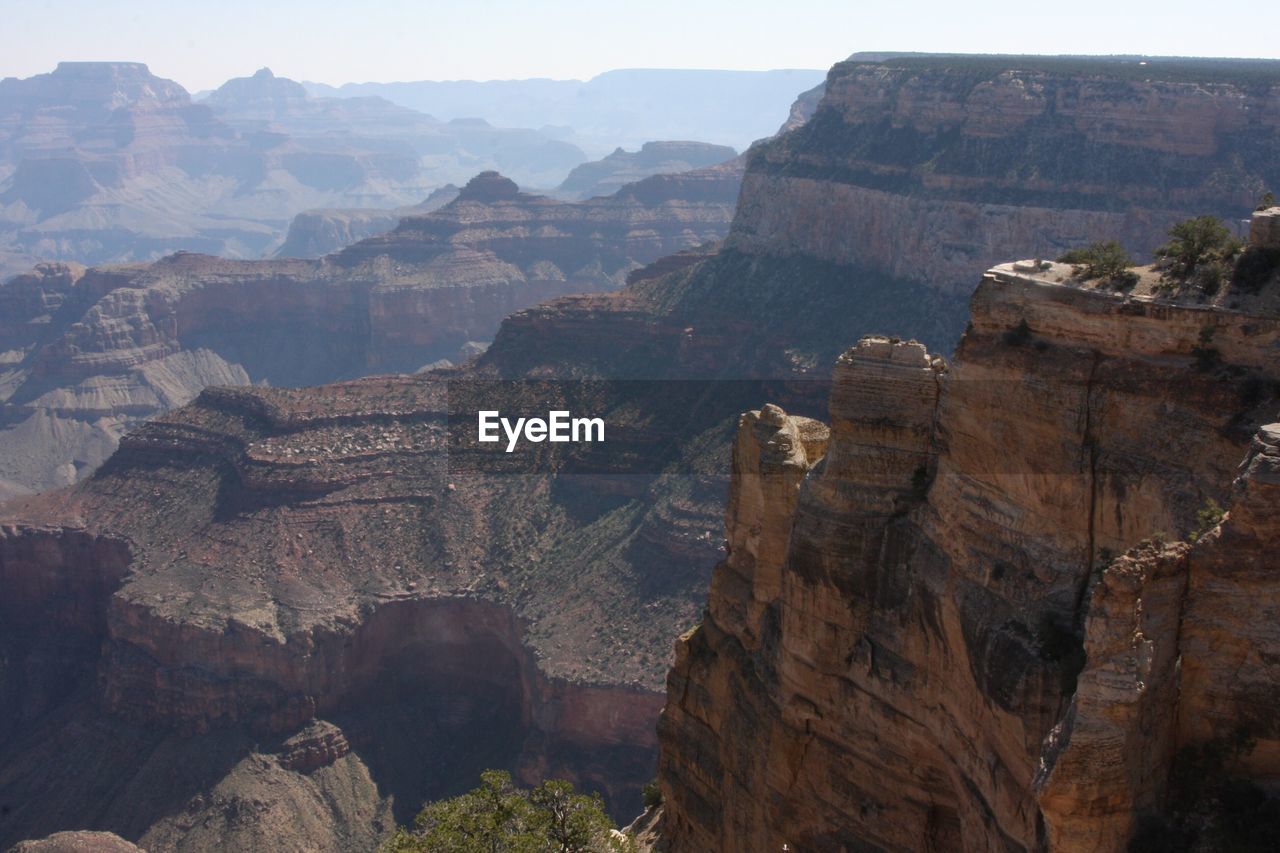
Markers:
1182,655
608,175
926,168
77,842
1264,229
88,354
947,652
314,233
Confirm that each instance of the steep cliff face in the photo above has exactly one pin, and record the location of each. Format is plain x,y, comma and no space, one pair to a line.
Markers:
900,674
927,168
90,353
418,609
872,213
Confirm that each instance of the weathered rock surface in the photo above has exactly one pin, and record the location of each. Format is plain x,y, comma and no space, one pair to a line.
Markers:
902,673
927,168
285,550
77,842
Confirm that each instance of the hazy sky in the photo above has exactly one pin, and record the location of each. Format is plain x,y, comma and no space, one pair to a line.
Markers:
200,44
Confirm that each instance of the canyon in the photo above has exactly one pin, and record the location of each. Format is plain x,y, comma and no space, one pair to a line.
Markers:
894,631
989,613
90,353
104,162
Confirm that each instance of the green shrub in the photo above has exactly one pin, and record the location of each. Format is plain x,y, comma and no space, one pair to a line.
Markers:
1207,518
1106,260
1268,199
1207,357
651,794
1194,242
499,816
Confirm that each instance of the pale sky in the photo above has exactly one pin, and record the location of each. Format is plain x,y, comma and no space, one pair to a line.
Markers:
201,44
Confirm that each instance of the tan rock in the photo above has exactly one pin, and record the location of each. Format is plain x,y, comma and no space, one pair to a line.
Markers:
917,679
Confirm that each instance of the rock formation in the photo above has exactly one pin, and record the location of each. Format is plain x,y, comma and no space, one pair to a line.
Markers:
87,354
263,569
104,162
608,175
315,233
943,641
927,168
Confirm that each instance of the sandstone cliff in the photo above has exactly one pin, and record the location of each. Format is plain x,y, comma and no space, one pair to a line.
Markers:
927,168
934,643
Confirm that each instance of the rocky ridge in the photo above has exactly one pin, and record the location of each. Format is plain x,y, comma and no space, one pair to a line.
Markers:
89,353
606,176
104,162
927,168
315,233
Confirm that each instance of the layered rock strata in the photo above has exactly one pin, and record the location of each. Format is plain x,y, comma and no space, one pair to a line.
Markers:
898,668
104,162
87,354
608,175
927,168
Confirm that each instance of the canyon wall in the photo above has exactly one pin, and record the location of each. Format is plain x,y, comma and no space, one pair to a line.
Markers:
409,611
939,596
928,168
935,643
87,354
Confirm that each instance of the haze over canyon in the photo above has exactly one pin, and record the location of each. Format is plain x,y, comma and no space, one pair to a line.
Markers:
935,508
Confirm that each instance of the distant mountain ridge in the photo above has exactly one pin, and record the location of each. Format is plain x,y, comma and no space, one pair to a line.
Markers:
626,107
105,162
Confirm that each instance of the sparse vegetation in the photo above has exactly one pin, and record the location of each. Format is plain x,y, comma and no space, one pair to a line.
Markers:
499,817
1207,517
651,794
1206,356
1268,199
1106,260
1199,250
